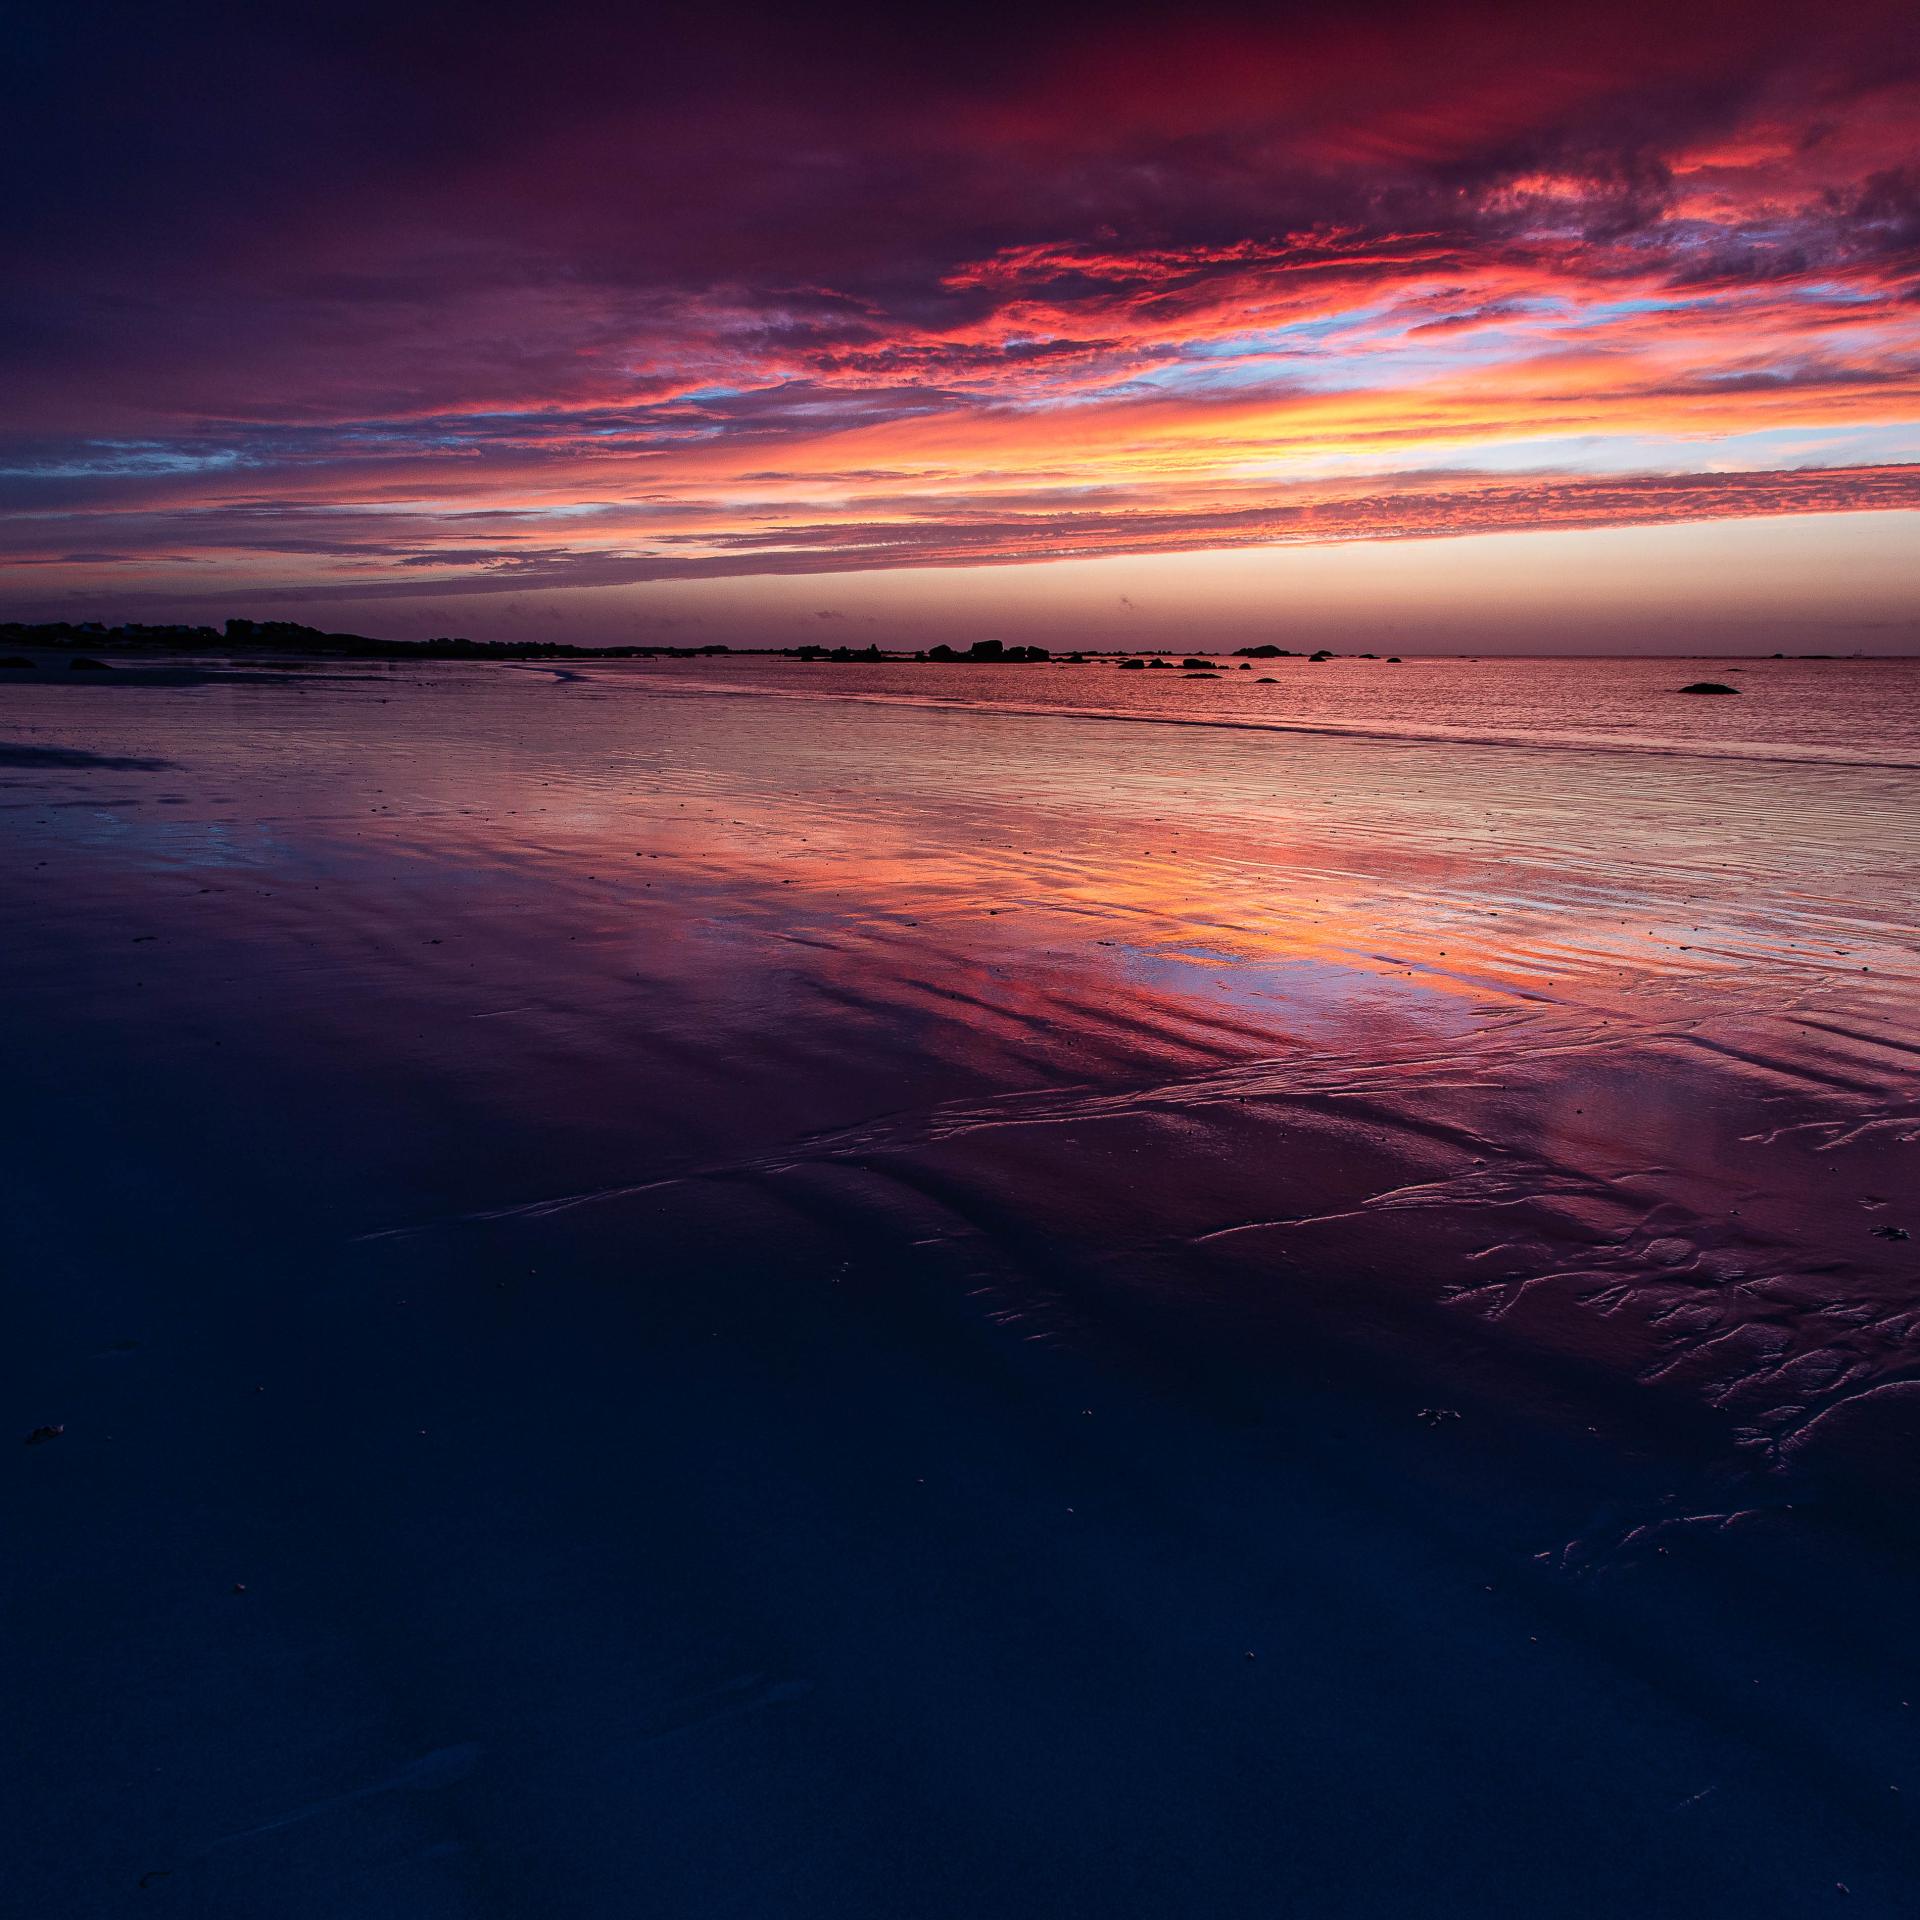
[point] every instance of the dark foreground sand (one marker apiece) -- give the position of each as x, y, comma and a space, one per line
912, 1313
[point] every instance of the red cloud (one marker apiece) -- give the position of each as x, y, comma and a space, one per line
1240, 278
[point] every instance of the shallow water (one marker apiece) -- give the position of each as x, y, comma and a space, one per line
1859, 712
604, 1196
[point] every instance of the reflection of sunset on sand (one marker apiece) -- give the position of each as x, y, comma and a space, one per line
886, 1215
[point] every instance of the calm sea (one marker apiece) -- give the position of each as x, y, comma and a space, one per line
1862, 710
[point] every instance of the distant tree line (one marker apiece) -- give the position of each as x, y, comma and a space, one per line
289, 636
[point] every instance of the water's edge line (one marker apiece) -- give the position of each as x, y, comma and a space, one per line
1752, 754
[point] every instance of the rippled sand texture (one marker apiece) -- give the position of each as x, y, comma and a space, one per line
771, 1276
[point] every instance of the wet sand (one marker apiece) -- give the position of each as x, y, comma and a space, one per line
786, 1303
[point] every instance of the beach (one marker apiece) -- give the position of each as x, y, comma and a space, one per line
772, 1288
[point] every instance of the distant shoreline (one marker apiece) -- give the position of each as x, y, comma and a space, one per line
246, 638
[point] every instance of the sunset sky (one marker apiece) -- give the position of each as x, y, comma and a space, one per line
1492, 326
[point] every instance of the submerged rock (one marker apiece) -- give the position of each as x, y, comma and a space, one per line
1709, 686
82, 663
18, 660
